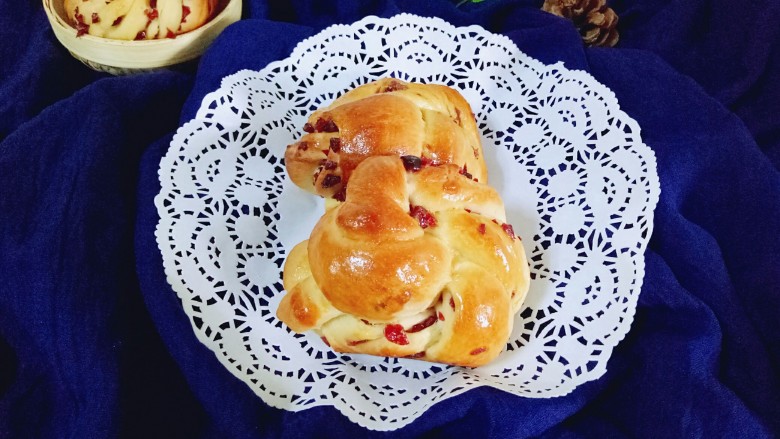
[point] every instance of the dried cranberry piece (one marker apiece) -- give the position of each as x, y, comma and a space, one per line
319, 124
95, 17
308, 127
81, 28
465, 172
452, 303
427, 161
394, 85
422, 325
185, 11
330, 165
118, 20
478, 350
153, 4
140, 35
331, 127
412, 163
481, 229
425, 218
303, 145
341, 195
325, 126
170, 34
325, 340
508, 230
151, 14
330, 180
395, 334
335, 144
441, 316
417, 355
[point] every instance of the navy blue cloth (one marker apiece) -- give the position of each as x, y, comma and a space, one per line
94, 343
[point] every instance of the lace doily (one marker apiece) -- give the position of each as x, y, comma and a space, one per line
579, 186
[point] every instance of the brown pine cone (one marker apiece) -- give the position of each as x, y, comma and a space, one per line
596, 22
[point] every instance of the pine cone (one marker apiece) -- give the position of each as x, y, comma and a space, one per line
596, 22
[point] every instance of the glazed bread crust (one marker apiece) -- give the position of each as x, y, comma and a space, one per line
414, 263
388, 117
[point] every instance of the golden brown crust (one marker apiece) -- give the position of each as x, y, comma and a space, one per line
304, 306
443, 187
482, 319
388, 117
378, 207
378, 281
410, 264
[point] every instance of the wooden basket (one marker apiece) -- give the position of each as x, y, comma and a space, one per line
120, 57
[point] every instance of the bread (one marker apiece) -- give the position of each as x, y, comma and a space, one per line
386, 117
417, 262
138, 19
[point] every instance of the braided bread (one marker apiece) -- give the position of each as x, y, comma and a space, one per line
138, 19
385, 117
416, 262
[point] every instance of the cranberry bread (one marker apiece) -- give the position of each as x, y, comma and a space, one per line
138, 19
417, 262
386, 117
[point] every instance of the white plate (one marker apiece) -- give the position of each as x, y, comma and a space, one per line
579, 185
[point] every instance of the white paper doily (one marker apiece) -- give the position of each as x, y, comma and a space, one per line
579, 185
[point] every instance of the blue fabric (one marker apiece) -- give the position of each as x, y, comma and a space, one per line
94, 343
